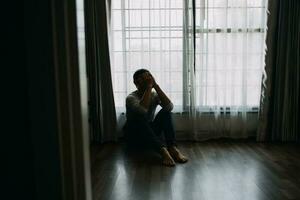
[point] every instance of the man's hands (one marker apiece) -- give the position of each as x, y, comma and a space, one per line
146, 81
149, 80
165, 101
154, 82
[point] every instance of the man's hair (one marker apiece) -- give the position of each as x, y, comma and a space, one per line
139, 72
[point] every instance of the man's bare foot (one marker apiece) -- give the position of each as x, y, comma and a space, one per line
177, 155
167, 158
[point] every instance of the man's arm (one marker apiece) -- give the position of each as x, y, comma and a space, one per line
146, 98
165, 101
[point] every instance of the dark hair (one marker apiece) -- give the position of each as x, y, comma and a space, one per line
139, 72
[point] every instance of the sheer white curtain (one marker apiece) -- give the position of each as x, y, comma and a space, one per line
229, 63
219, 96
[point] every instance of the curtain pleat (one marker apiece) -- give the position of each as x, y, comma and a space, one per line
101, 100
279, 114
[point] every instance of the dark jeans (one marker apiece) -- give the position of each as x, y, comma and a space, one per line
139, 132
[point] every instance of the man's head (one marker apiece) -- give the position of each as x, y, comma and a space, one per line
139, 78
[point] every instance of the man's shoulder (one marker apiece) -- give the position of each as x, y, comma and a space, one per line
132, 98
132, 95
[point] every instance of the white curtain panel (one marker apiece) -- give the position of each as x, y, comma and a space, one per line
219, 96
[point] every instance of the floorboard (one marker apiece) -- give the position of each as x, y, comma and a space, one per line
225, 170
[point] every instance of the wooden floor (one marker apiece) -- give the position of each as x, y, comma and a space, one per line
216, 170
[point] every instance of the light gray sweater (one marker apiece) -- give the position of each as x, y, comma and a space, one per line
133, 106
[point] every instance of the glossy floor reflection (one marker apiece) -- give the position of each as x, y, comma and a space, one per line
216, 170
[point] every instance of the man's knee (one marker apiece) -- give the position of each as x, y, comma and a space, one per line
138, 117
165, 113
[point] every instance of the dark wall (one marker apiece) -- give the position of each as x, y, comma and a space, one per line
31, 156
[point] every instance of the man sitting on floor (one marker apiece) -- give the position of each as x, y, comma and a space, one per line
141, 128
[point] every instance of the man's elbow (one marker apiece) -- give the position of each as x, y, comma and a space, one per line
168, 107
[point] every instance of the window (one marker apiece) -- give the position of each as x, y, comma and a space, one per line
229, 49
